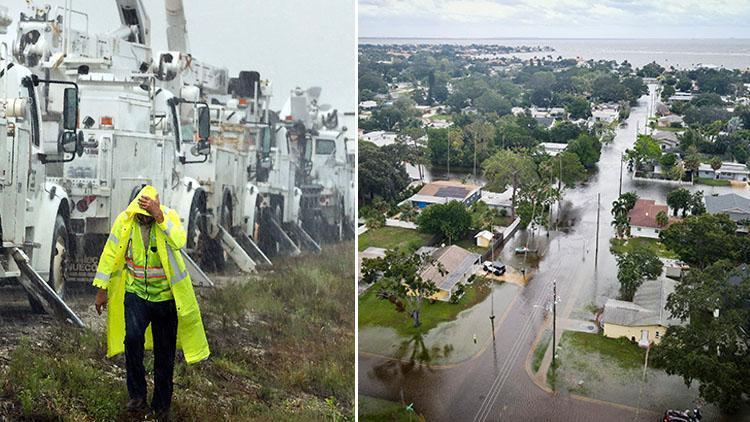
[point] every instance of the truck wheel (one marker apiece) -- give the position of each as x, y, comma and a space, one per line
58, 254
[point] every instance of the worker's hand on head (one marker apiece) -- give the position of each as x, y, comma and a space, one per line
152, 206
101, 300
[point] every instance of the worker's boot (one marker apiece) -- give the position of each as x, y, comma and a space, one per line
162, 415
136, 405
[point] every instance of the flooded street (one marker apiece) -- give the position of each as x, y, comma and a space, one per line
493, 384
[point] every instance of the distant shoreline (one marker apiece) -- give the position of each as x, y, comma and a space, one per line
550, 38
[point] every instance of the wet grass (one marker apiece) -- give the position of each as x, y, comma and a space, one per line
621, 351
619, 246
371, 409
470, 245
711, 182
380, 312
282, 349
540, 350
393, 237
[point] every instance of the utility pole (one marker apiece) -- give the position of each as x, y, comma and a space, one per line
492, 312
449, 158
475, 159
554, 320
622, 158
598, 206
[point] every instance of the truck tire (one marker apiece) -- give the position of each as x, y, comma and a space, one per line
58, 254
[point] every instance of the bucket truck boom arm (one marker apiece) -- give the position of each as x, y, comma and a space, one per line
177, 38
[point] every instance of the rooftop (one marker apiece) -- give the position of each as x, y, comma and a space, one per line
647, 307
456, 262
644, 213
443, 191
727, 203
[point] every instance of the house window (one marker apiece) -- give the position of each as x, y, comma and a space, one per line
657, 334
639, 229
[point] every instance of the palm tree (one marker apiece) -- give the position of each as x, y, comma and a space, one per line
662, 219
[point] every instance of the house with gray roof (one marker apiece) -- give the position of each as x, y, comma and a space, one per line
645, 319
735, 206
458, 265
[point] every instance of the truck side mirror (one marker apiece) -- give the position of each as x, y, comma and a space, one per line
70, 109
204, 124
69, 142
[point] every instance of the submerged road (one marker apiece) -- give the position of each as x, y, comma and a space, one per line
494, 385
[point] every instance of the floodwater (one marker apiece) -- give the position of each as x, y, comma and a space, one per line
494, 384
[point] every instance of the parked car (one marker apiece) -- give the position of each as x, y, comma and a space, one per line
494, 267
682, 416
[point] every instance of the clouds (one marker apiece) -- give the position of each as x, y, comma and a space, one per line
603, 18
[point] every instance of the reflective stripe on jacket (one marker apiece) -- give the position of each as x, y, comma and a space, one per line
170, 238
147, 280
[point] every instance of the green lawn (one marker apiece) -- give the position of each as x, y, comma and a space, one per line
619, 351
470, 244
380, 312
619, 247
440, 117
393, 237
711, 182
371, 409
670, 129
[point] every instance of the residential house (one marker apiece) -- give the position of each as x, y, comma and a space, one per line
671, 120
727, 171
667, 140
444, 191
380, 137
458, 266
645, 319
500, 201
735, 206
367, 105
681, 96
553, 148
643, 219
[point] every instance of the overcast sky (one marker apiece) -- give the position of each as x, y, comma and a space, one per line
294, 43
555, 18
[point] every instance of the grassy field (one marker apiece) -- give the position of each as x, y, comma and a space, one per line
440, 117
282, 348
619, 351
470, 244
372, 409
375, 311
619, 246
711, 182
393, 237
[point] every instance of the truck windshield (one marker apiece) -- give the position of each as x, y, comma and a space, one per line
325, 146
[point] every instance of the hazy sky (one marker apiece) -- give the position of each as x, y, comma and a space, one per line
293, 43
555, 18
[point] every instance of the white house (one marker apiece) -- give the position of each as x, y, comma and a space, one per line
553, 148
727, 171
380, 137
643, 219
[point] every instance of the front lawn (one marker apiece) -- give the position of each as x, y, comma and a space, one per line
470, 245
620, 351
711, 182
619, 246
440, 117
375, 409
393, 237
381, 312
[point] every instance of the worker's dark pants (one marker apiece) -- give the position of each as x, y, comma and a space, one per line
163, 318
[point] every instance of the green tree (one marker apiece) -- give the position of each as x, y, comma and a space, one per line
713, 348
587, 148
662, 219
564, 167
492, 102
679, 199
715, 163
401, 281
509, 168
696, 203
692, 161
634, 267
578, 107
646, 149
620, 210
451, 220
381, 173
700, 240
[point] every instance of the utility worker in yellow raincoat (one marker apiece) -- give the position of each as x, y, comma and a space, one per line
142, 275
